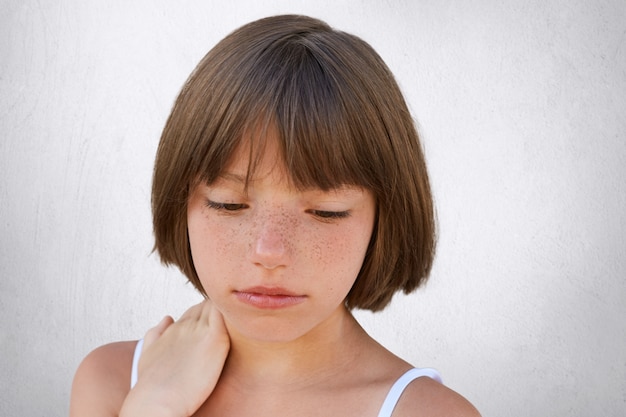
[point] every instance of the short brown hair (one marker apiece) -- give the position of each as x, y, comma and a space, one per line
341, 119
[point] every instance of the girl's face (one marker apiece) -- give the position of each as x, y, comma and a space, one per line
276, 261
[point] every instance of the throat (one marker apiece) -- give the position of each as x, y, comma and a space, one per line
326, 352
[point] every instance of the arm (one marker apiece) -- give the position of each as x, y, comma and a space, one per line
101, 382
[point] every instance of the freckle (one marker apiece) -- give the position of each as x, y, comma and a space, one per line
317, 252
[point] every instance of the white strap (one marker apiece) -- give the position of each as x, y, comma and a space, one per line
400, 385
136, 356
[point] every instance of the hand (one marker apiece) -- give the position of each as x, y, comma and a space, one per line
180, 364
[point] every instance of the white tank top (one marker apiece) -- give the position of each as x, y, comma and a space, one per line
388, 405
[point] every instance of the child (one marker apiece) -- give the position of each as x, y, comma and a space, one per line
289, 187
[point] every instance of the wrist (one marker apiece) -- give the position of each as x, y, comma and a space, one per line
139, 403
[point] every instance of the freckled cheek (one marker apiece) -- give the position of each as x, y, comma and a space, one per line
340, 255
211, 242
228, 240
335, 263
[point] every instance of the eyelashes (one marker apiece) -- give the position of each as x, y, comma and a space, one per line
329, 215
227, 207
232, 208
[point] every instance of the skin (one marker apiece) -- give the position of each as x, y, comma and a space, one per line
238, 354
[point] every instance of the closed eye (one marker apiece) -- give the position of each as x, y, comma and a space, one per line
226, 206
329, 215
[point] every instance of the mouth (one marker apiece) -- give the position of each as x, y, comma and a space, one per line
270, 298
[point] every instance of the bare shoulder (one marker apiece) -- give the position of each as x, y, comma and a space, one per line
427, 397
102, 380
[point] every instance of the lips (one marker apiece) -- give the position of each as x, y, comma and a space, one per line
269, 297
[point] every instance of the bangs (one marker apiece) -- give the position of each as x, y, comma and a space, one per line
300, 94
319, 137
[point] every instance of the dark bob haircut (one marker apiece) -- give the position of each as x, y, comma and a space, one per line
341, 120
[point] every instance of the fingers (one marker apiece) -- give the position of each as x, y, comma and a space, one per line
195, 311
203, 314
154, 333
216, 320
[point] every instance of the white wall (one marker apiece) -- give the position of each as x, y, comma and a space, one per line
521, 108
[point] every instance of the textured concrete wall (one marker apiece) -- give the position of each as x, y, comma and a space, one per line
521, 108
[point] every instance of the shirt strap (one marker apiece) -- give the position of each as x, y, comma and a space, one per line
400, 385
136, 356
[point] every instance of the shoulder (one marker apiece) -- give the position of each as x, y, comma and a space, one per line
423, 397
427, 397
102, 380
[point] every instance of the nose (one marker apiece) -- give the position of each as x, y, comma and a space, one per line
269, 247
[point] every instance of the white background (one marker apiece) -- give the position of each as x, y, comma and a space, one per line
521, 107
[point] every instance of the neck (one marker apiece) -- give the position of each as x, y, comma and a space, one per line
326, 350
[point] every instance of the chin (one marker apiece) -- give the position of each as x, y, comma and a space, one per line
266, 329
